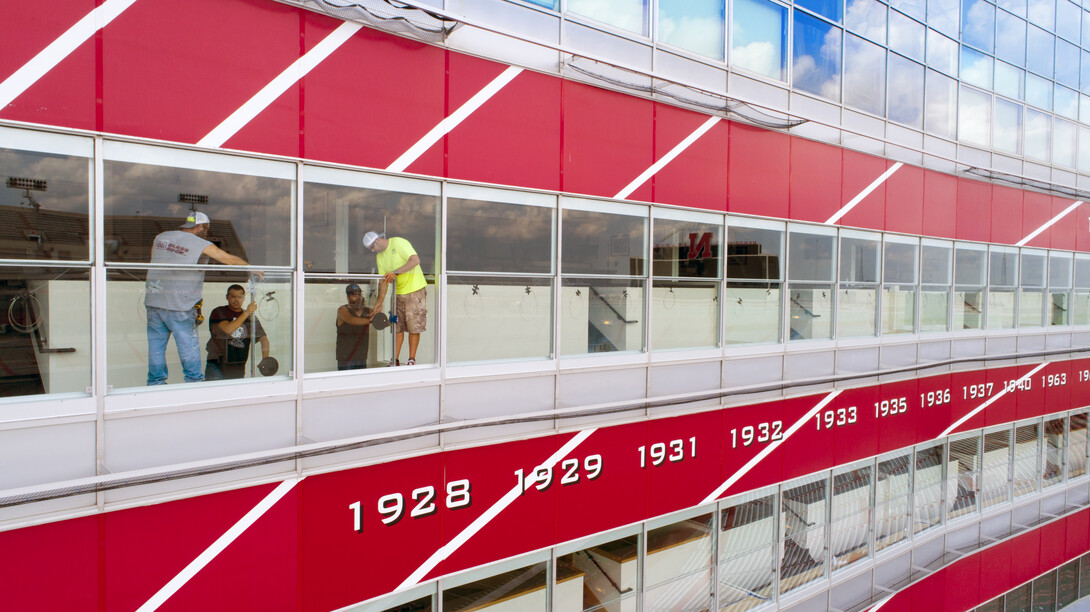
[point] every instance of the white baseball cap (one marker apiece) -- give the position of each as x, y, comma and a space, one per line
194, 219
370, 237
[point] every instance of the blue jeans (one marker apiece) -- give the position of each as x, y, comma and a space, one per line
182, 323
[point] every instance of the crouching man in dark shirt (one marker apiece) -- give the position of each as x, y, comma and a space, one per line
233, 330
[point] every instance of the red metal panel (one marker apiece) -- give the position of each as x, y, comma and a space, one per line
905, 200
694, 461
372, 99
1025, 557
899, 431
758, 171
258, 571
1063, 231
1036, 211
1079, 380
860, 170
1031, 401
939, 204
491, 470
333, 556
974, 202
810, 449
935, 416
51, 567
930, 593
606, 140
963, 578
622, 479
1078, 530
698, 176
1004, 409
859, 439
147, 547
737, 453
1081, 221
1053, 545
175, 71
816, 170
995, 570
514, 138
1006, 215
1057, 378
65, 96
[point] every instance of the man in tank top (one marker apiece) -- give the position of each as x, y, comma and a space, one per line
353, 325
172, 295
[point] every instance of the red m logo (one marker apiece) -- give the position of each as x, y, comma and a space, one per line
702, 248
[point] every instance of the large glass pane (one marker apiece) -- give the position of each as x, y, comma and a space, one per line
685, 314
603, 243
1003, 282
942, 53
892, 499
944, 15
692, 591
1084, 143
975, 116
1080, 297
915, 8
1018, 7
485, 236
1067, 63
830, 9
755, 253
849, 522
754, 310
928, 498
1043, 13
599, 315
1067, 104
1055, 439
630, 15
1068, 20
936, 263
1032, 290
969, 267
1010, 81
686, 248
679, 548
905, 91
601, 576
979, 19
250, 216
1059, 283
995, 488
1076, 446
217, 340
45, 199
1067, 584
976, 68
811, 254
747, 550
1039, 91
499, 317
759, 38
1040, 51
864, 75
811, 311
1063, 143
1027, 454
339, 334
868, 19
906, 36
803, 517
899, 290
522, 589
860, 265
695, 25
1010, 38
816, 60
1044, 593
964, 474
1019, 599
338, 215
1008, 127
1038, 135
45, 336
941, 105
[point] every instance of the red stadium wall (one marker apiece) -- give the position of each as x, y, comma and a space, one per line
175, 71
315, 549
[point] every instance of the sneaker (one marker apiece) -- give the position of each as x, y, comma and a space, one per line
411, 361
393, 363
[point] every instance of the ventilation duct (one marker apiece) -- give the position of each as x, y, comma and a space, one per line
388, 15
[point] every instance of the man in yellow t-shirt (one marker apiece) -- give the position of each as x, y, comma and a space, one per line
396, 258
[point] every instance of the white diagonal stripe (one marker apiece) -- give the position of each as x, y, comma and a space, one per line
508, 498
669, 157
268, 94
769, 448
1048, 224
62, 47
881, 603
451, 122
866, 192
219, 545
991, 400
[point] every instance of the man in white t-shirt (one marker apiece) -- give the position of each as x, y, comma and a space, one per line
172, 296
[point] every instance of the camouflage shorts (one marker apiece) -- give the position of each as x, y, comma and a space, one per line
412, 311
